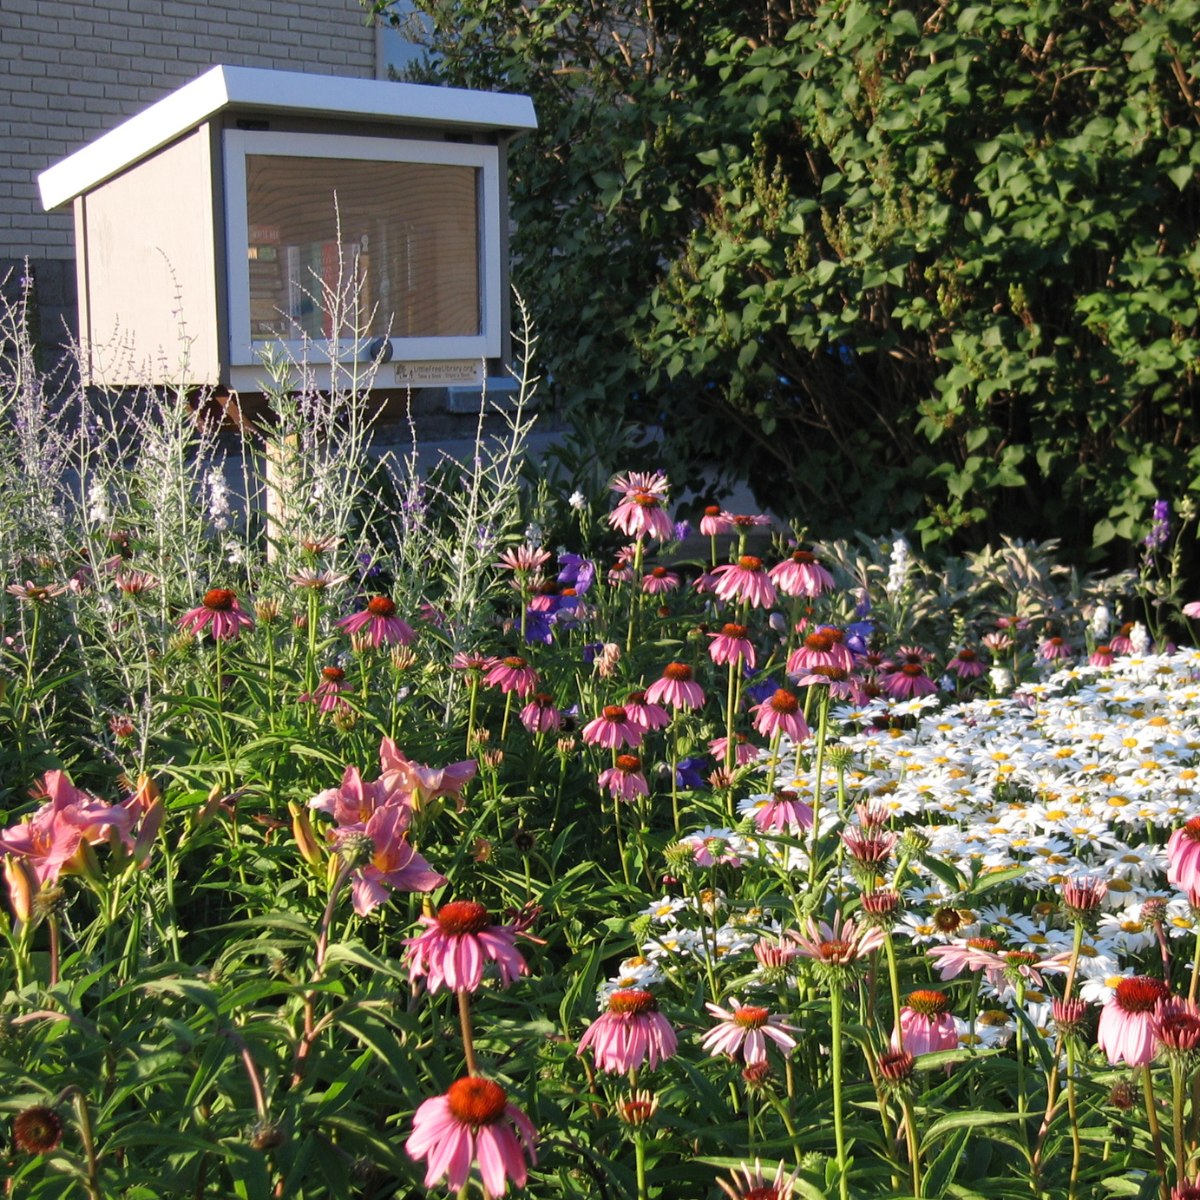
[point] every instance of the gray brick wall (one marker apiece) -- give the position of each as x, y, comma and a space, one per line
71, 71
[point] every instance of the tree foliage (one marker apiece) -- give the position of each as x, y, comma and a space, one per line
934, 264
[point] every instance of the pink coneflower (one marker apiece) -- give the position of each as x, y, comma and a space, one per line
474, 661
134, 583
998, 643
971, 954
747, 520
712, 849
1176, 1028
540, 715
745, 581
620, 572
393, 863
880, 907
641, 512
871, 816
524, 559
729, 644
473, 1123
1082, 895
1005, 968
841, 944
781, 713
926, 1025
841, 684
630, 1033
317, 579
1102, 656
1127, 1020
821, 648
715, 522
658, 581
625, 780
745, 751
783, 812
34, 593
869, 850
512, 674
908, 679
456, 946
801, 575
676, 688
381, 623
965, 664
774, 956
1183, 856
644, 714
705, 583
327, 694
744, 1030
1054, 647
747, 1184
220, 609
612, 729
1123, 643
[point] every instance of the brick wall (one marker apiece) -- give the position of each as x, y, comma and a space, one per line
71, 71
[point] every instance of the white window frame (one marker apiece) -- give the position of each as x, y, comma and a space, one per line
238, 143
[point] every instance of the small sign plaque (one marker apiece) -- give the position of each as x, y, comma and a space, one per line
456, 373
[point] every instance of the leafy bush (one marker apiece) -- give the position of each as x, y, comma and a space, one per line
930, 265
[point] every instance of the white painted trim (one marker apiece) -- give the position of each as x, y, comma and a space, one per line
276, 91
238, 143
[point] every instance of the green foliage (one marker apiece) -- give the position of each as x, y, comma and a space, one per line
931, 265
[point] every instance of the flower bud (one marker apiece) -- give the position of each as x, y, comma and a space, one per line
757, 1076
38, 1130
637, 1108
306, 839
355, 849
21, 886
839, 757
895, 1069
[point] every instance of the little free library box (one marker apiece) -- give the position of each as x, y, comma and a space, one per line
242, 206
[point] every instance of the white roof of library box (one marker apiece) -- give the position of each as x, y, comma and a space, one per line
281, 92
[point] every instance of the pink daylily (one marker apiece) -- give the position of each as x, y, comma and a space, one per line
52, 840
393, 863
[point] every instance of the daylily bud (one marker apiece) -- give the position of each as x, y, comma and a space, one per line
306, 839
21, 887
209, 807
146, 793
148, 833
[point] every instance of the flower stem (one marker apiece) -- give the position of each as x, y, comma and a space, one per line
822, 725
1178, 1081
774, 761
894, 980
839, 1133
53, 923
1155, 1133
1076, 1142
639, 1146
730, 701
464, 1019
86, 1136
914, 1154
